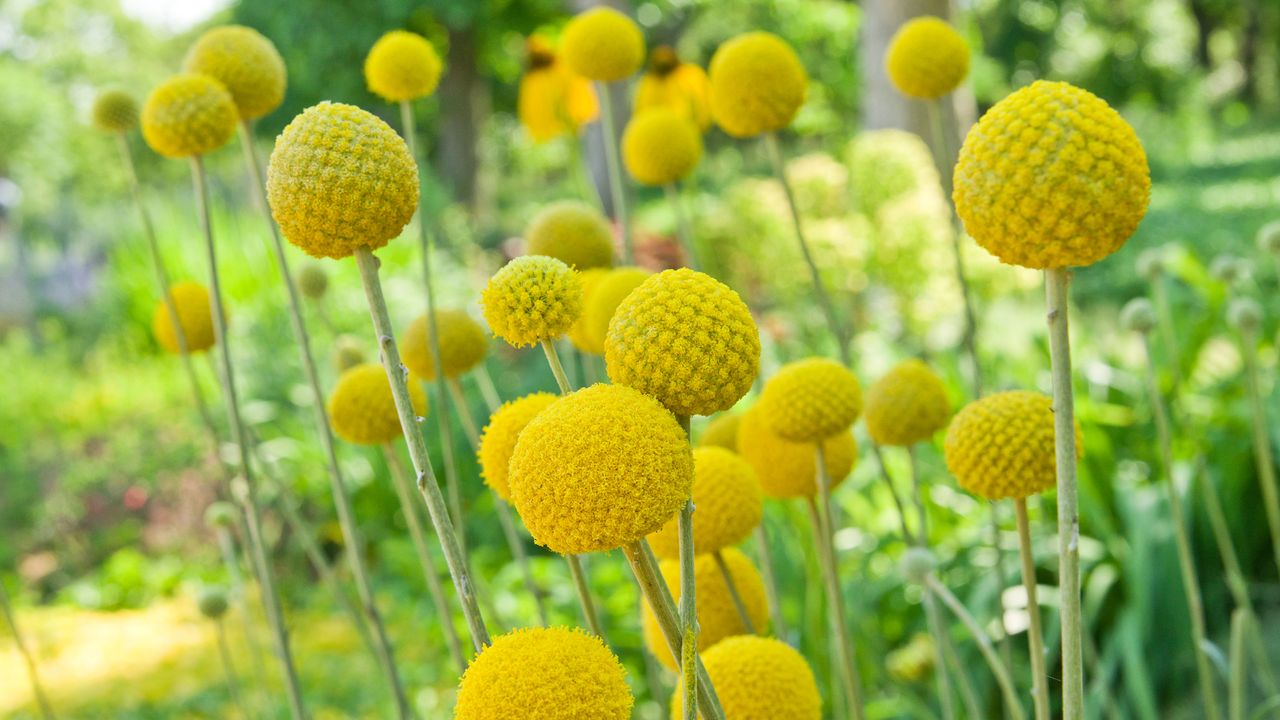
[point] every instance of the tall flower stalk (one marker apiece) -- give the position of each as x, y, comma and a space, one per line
33, 674
1246, 316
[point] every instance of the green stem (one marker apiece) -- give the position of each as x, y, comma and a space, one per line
1002, 581
613, 162
1160, 297
1235, 694
933, 614
37, 688
837, 328
688, 606
427, 486
581, 177
583, 589
907, 536
1261, 442
230, 558
734, 595
270, 596
984, 645
229, 669
488, 390
968, 695
557, 369
469, 426
1056, 282
1035, 635
683, 230
353, 541
770, 581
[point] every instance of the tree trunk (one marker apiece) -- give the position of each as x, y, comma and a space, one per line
1249, 49
1205, 26
463, 107
592, 137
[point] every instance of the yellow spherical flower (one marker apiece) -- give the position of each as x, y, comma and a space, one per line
727, 501
115, 111
545, 674
402, 66
686, 339
906, 406
578, 334
531, 299
246, 62
463, 344
757, 84
811, 399
912, 662
718, 617
722, 431
673, 84
553, 100
1051, 177
498, 439
188, 115
572, 232
788, 469
598, 469
191, 301
602, 44
604, 301
362, 409
1001, 446
759, 678
660, 146
340, 179
927, 58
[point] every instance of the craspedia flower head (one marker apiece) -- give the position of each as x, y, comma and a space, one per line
602, 44
757, 84
1138, 315
531, 299
572, 232
673, 84
327, 158
927, 58
728, 504
1244, 314
313, 280
788, 469
912, 662
718, 617
463, 344
545, 674
191, 301
598, 469
1269, 238
1051, 177
578, 334
212, 602
188, 115
811, 399
244, 61
402, 66
553, 100
362, 409
686, 339
722, 431
348, 352
1001, 446
608, 294
759, 678
220, 514
115, 111
908, 405
498, 439
661, 146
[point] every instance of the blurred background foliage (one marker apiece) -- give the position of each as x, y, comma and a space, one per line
104, 472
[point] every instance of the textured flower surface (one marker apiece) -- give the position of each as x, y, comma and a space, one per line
757, 84
661, 146
578, 334
531, 299
788, 469
363, 409
188, 115
686, 339
545, 674
604, 302
115, 111
600, 468
340, 179
1001, 446
811, 399
244, 61
927, 58
498, 439
906, 406
722, 431
727, 502
1051, 177
191, 300
760, 678
572, 232
402, 66
673, 84
717, 615
463, 344
602, 44
553, 100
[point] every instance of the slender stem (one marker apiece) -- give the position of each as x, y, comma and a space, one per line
907, 535
984, 645
933, 614
1002, 581
734, 595
400, 480
656, 593
427, 487
557, 369
583, 588
770, 581
1164, 316
837, 328
688, 605
353, 541
1261, 441
469, 426
1235, 692
968, 695
1186, 563
230, 558
1056, 282
37, 688
488, 390
270, 596
683, 229
578, 169
229, 668
1035, 635
613, 162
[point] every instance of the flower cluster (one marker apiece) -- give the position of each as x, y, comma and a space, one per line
758, 678
603, 302
661, 146
115, 111
728, 504
553, 100
188, 115
573, 232
1001, 446
246, 63
402, 66
927, 58
362, 408
498, 439
195, 314
670, 83
812, 399
531, 299
722, 431
463, 344
603, 44
789, 469
906, 406
757, 84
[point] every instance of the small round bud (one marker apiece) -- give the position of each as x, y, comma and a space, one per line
916, 564
313, 281
1150, 264
239, 489
1138, 315
220, 514
1269, 238
1226, 269
212, 602
1244, 314
348, 352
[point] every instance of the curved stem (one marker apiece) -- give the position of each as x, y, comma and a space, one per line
37, 688
683, 230
613, 162
270, 596
1235, 694
907, 536
1262, 443
229, 668
1035, 635
984, 645
933, 616
734, 595
770, 581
